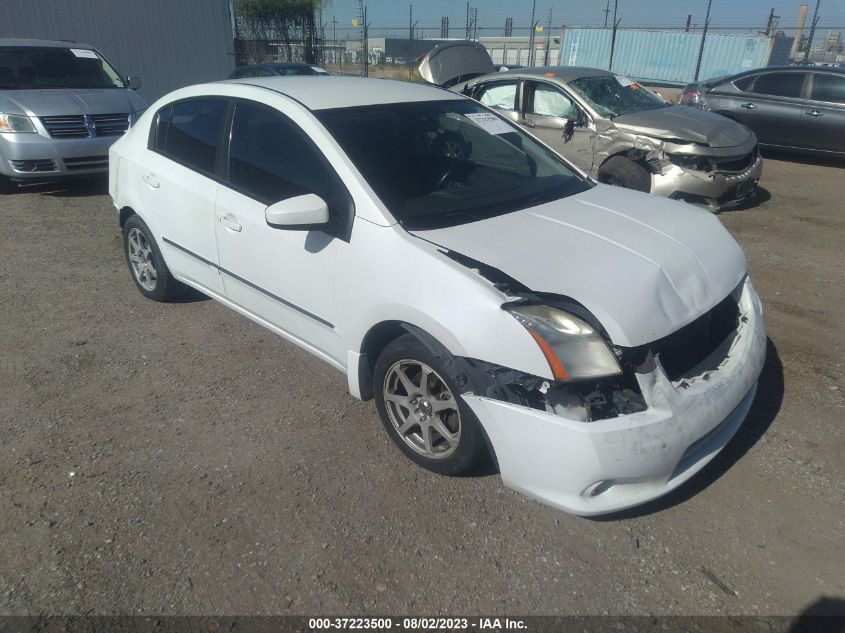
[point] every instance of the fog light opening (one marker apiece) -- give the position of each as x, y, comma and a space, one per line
600, 487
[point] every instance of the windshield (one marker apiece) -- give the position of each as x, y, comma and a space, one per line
39, 68
441, 163
614, 95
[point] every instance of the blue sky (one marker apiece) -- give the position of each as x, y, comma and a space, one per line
733, 14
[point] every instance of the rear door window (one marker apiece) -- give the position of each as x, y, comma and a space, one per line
189, 132
829, 88
779, 84
500, 95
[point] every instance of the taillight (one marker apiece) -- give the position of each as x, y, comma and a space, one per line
691, 97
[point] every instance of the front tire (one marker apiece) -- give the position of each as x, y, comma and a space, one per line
623, 172
146, 265
422, 410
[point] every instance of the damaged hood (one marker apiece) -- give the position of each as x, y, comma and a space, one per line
683, 123
644, 266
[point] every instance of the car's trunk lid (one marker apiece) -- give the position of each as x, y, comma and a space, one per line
452, 62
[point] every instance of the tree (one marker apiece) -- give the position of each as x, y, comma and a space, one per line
291, 21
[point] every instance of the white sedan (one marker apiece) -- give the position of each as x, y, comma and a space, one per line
600, 345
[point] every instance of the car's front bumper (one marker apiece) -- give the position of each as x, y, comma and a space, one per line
30, 157
711, 189
609, 465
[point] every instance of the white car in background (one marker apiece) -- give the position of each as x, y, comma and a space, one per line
600, 344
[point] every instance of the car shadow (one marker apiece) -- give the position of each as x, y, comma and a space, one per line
69, 188
807, 158
761, 196
825, 615
764, 409
191, 295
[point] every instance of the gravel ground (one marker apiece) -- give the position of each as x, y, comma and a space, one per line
179, 459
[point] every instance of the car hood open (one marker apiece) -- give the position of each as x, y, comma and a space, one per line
644, 266
682, 123
63, 101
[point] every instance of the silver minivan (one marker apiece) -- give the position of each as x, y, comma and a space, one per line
62, 104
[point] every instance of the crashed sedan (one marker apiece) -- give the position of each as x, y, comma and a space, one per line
614, 129
599, 345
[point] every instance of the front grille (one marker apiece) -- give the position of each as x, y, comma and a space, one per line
110, 124
682, 351
66, 126
33, 166
736, 164
726, 165
86, 162
85, 126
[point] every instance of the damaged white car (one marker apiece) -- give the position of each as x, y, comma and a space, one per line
601, 345
611, 127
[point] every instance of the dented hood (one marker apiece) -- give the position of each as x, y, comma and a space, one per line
644, 266
685, 124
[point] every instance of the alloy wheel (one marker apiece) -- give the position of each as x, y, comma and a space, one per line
422, 409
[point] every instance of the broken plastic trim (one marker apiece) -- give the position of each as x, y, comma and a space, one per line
583, 401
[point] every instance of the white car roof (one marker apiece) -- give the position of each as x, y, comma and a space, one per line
325, 93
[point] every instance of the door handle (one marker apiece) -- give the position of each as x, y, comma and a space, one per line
814, 113
151, 180
748, 106
230, 222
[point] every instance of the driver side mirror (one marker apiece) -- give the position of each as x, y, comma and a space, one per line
298, 213
133, 82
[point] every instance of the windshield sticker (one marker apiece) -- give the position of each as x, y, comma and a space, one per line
84, 52
489, 122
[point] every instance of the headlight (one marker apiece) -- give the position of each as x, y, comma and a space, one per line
15, 123
573, 349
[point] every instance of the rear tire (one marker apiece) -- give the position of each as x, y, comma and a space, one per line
422, 410
146, 265
623, 172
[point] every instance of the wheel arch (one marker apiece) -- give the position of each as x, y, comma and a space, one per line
124, 214
375, 340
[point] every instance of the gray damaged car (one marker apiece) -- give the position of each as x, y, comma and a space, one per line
611, 127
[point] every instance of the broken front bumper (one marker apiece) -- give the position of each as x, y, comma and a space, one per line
591, 468
711, 189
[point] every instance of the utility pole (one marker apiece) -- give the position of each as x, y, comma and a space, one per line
548, 37
444, 27
475, 23
466, 35
336, 47
508, 27
613, 35
703, 37
812, 31
689, 20
606, 13
531, 36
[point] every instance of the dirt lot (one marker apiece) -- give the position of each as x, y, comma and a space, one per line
180, 459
